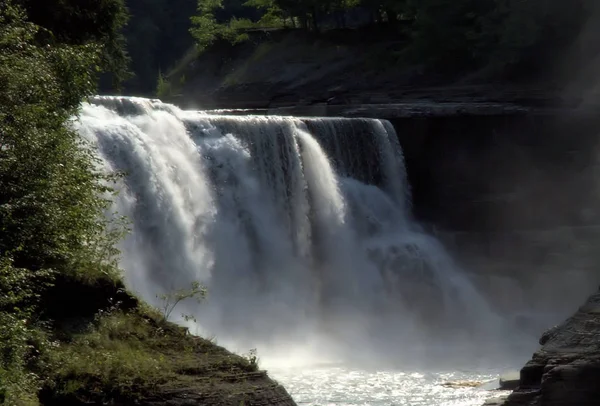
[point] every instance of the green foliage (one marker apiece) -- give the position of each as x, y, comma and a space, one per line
170, 300
51, 209
76, 22
209, 6
111, 361
497, 34
52, 199
241, 24
125, 356
206, 30
444, 36
274, 15
157, 36
20, 290
54, 232
163, 87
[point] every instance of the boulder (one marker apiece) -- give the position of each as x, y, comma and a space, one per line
462, 384
499, 401
510, 380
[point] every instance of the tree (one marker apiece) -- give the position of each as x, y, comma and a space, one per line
499, 34
157, 36
52, 213
98, 22
272, 12
207, 28
445, 32
497, 38
172, 299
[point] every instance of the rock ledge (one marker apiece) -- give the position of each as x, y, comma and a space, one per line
566, 370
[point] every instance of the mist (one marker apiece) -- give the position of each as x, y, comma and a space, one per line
309, 250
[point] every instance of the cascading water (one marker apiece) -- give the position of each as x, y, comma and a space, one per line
300, 228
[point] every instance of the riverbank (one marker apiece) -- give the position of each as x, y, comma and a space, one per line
107, 347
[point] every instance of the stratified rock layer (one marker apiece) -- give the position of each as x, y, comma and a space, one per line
251, 389
566, 370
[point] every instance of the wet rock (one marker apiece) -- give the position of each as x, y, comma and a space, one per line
499, 401
566, 370
256, 390
489, 385
462, 384
510, 380
548, 334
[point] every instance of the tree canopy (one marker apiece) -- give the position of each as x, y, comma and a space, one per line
89, 21
157, 36
455, 34
51, 195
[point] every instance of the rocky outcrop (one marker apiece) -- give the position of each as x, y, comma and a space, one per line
566, 370
250, 389
110, 348
499, 401
510, 381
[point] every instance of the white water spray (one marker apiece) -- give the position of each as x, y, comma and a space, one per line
300, 228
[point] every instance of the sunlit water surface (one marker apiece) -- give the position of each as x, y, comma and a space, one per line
335, 385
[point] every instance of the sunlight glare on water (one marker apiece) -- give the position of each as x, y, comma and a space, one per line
340, 386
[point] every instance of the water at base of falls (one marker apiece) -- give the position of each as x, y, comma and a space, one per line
340, 386
300, 228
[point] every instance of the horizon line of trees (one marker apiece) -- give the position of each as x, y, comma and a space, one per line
310, 15
150, 36
500, 33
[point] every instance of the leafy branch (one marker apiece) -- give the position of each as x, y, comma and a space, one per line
172, 299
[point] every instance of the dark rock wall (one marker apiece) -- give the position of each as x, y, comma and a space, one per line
515, 200
566, 370
501, 173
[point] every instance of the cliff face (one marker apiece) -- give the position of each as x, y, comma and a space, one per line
566, 370
352, 67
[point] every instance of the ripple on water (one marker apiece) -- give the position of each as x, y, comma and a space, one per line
351, 387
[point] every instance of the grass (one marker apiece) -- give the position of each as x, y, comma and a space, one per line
126, 356
92, 342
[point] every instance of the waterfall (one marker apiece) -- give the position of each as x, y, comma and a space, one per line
299, 227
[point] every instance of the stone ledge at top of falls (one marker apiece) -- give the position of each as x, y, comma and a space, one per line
388, 107
566, 370
402, 102
389, 110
